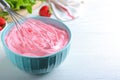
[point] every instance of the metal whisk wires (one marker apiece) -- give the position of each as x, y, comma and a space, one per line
19, 21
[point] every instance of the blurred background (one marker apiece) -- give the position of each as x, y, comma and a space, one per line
95, 49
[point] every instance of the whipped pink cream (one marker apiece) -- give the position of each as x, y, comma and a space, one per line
35, 38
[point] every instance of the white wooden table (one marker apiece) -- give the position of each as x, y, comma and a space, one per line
95, 49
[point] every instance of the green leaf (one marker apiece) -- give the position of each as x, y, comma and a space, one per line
42, 0
2, 14
29, 9
19, 4
32, 2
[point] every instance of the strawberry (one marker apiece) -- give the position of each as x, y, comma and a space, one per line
2, 21
45, 11
1, 28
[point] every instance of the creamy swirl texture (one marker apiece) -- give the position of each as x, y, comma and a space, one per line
36, 38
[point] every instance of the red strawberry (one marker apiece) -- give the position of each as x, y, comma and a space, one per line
2, 21
1, 28
45, 11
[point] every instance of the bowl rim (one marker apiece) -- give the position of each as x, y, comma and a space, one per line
67, 45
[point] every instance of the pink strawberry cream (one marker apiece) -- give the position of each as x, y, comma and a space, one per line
35, 38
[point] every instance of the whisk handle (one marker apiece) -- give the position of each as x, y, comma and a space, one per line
4, 3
